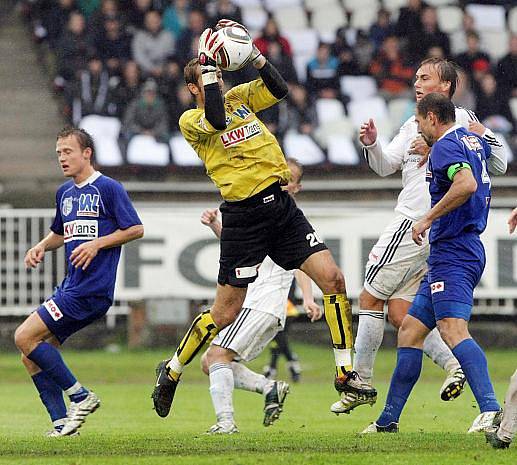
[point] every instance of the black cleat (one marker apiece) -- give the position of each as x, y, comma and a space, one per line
274, 402
164, 390
375, 428
352, 382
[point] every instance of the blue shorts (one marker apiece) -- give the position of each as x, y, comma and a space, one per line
65, 315
446, 291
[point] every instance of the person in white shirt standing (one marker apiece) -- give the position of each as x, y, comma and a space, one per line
396, 264
263, 314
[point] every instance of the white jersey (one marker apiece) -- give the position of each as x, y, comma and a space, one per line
269, 292
414, 200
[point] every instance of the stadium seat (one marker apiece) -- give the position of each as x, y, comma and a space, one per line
303, 42
244, 3
105, 131
273, 5
495, 43
329, 109
450, 18
487, 17
317, 4
355, 5
373, 107
327, 20
182, 153
145, 150
399, 110
363, 19
342, 127
291, 18
358, 87
341, 150
303, 148
513, 107
254, 17
438, 3
512, 20
300, 65
394, 6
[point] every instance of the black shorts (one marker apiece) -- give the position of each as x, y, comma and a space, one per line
269, 223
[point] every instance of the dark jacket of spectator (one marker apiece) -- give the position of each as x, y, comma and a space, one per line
113, 45
409, 21
53, 20
282, 62
188, 37
428, 36
492, 106
301, 111
223, 9
507, 70
381, 29
472, 55
128, 87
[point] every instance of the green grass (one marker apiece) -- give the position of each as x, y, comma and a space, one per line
127, 431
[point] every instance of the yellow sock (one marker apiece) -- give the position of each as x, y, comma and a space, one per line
338, 314
200, 333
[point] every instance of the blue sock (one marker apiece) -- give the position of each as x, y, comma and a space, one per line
48, 358
405, 376
51, 395
473, 363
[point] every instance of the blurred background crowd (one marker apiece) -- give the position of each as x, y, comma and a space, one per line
116, 67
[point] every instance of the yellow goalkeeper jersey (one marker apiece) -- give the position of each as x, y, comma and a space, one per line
244, 158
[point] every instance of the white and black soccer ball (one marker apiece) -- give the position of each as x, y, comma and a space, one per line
236, 50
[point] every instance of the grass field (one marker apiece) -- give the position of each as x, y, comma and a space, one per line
127, 431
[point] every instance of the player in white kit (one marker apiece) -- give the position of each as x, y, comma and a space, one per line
263, 314
396, 264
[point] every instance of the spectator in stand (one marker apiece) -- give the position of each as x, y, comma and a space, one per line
391, 70
409, 20
223, 9
429, 35
492, 106
72, 50
473, 54
196, 25
507, 70
271, 33
152, 45
175, 16
301, 111
128, 88
183, 101
53, 20
147, 114
381, 29
113, 45
137, 12
282, 62
108, 10
459, 38
363, 52
322, 73
91, 94
87, 7
436, 52
464, 96
348, 64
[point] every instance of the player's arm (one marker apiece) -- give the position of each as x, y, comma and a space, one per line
463, 186
383, 162
35, 254
312, 308
210, 218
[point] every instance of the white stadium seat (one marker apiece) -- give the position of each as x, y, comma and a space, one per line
450, 18
355, 5
394, 6
145, 150
254, 17
441, 2
327, 20
488, 17
363, 19
303, 42
512, 20
373, 107
329, 109
342, 127
358, 87
182, 153
290, 18
399, 110
244, 3
303, 148
105, 131
273, 5
300, 65
317, 4
513, 107
341, 150
495, 43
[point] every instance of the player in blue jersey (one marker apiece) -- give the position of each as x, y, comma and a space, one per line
460, 198
94, 217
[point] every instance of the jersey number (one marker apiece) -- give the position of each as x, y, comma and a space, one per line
313, 239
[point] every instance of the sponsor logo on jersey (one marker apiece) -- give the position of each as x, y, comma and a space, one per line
53, 309
247, 271
67, 206
472, 142
438, 286
268, 198
81, 230
239, 135
88, 205
242, 112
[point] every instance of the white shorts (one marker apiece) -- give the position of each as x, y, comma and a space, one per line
249, 334
396, 264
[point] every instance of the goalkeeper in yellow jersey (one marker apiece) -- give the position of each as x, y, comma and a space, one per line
259, 218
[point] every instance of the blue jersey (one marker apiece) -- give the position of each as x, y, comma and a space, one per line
97, 207
459, 146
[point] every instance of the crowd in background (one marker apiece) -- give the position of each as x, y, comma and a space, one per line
125, 58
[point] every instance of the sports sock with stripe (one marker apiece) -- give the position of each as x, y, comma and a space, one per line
248, 380
51, 395
405, 376
200, 333
367, 342
338, 314
473, 363
221, 390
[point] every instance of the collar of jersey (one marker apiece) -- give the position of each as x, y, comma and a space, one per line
90, 180
451, 129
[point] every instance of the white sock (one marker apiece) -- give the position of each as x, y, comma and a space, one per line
367, 342
244, 378
439, 353
221, 390
175, 365
508, 426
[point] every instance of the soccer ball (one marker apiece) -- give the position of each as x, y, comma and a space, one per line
236, 50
